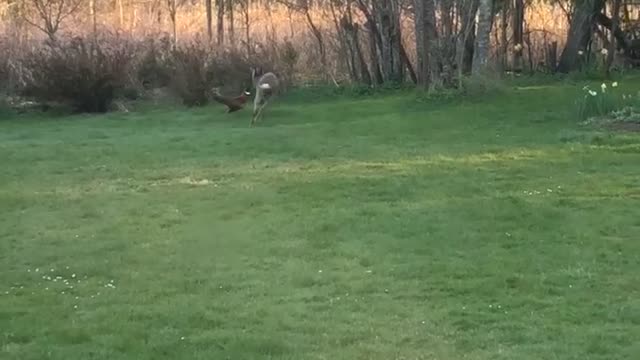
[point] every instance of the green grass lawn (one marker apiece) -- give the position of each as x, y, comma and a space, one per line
388, 227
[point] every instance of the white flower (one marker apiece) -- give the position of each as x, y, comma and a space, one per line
580, 52
614, 84
603, 87
592, 93
517, 47
604, 51
624, 97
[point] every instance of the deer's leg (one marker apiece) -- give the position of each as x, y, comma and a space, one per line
260, 110
257, 114
257, 102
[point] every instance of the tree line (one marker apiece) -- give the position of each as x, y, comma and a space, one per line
431, 43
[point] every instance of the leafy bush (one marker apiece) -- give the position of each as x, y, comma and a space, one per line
629, 113
85, 77
602, 102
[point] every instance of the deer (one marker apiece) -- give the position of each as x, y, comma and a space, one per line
266, 85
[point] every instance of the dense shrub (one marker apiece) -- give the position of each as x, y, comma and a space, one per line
196, 70
4, 66
4, 73
84, 76
87, 77
189, 79
154, 67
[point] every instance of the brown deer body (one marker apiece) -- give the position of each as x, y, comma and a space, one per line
266, 85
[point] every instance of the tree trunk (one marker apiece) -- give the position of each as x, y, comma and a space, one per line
351, 33
389, 19
220, 23
551, 56
483, 38
94, 20
427, 44
620, 36
404, 59
173, 9
421, 43
615, 22
373, 53
230, 23
247, 24
375, 41
446, 7
447, 39
466, 42
207, 4
518, 31
504, 42
121, 13
434, 57
345, 51
583, 19
318, 35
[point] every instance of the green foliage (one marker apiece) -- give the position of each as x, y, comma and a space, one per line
605, 101
628, 113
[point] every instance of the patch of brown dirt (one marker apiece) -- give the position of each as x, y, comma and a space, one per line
624, 126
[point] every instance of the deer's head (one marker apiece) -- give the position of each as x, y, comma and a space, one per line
256, 72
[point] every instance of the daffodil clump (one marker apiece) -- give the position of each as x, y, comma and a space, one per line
608, 102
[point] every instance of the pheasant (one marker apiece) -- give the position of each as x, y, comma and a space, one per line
233, 104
